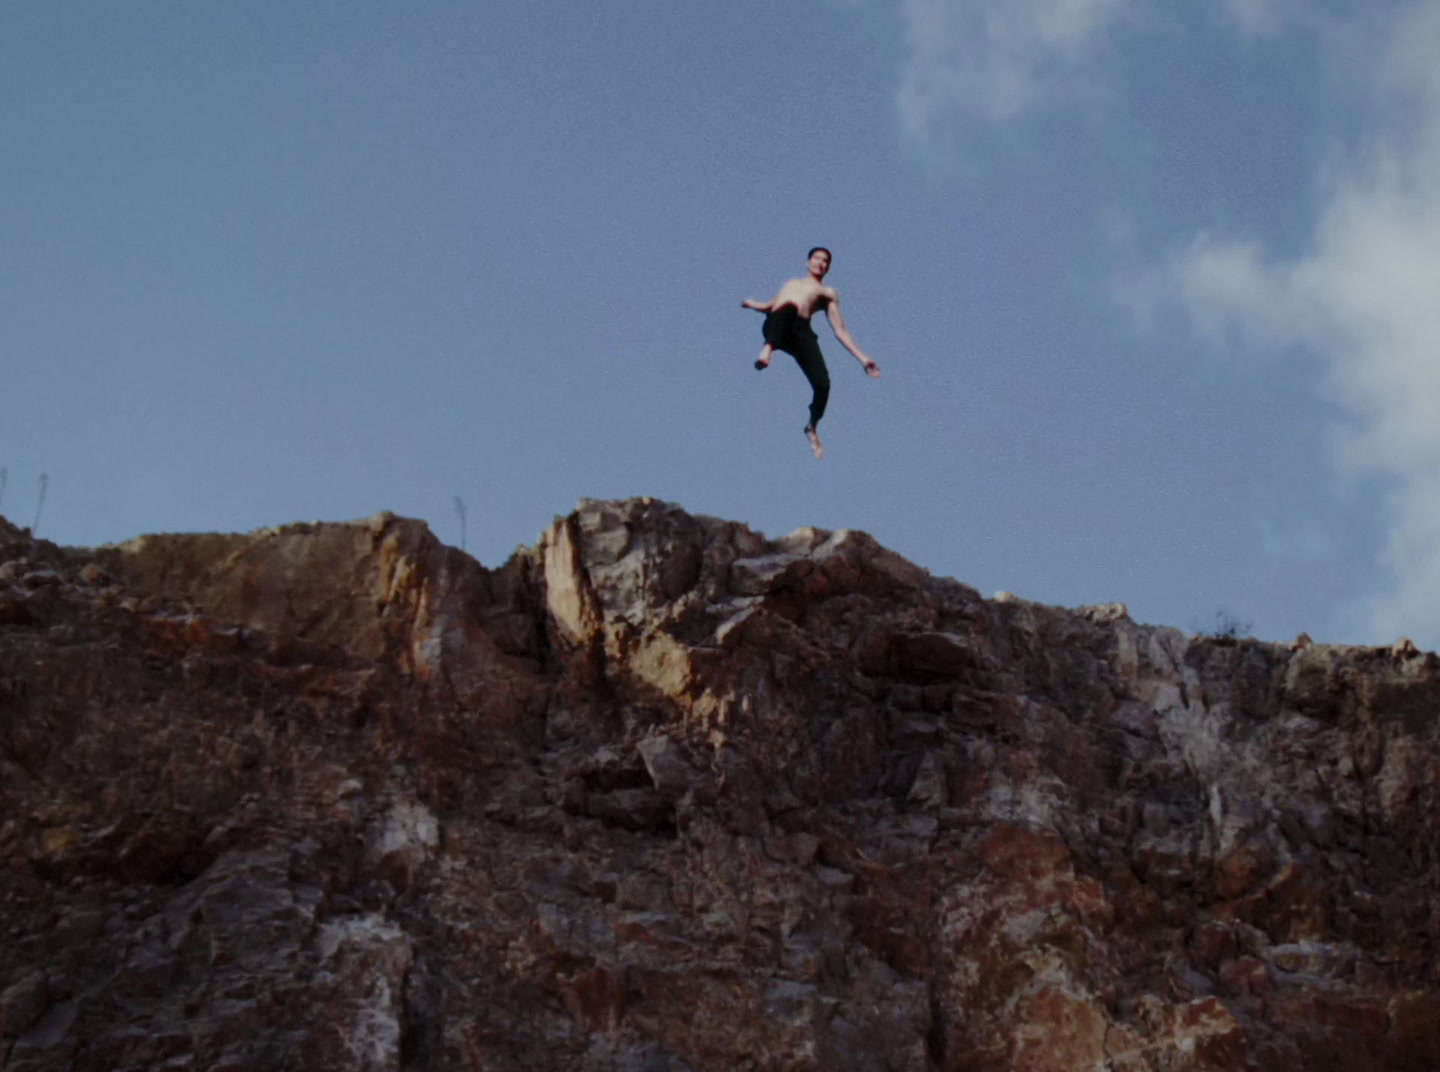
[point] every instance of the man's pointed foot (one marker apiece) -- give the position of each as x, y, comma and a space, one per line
762, 365
815, 447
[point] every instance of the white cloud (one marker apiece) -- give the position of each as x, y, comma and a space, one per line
1228, 284
1261, 18
1365, 299
994, 59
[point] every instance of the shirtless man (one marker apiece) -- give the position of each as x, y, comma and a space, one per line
787, 328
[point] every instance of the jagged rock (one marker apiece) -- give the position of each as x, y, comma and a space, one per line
670, 769
663, 794
22, 1003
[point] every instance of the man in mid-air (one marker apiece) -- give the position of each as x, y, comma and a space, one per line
787, 328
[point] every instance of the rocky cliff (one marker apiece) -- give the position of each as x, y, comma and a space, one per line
663, 794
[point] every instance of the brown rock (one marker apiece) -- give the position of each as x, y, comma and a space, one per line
596, 998
664, 794
1249, 974
1242, 868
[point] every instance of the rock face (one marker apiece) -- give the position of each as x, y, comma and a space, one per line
661, 794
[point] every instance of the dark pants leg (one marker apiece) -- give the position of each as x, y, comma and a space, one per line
786, 331
807, 355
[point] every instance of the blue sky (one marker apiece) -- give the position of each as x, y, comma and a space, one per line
1153, 285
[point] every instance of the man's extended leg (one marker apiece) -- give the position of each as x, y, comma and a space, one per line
812, 363
807, 355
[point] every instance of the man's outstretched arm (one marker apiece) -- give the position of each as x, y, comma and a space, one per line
837, 324
759, 307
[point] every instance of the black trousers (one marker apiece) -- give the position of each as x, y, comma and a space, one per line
785, 329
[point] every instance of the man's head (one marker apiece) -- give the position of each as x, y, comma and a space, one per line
818, 260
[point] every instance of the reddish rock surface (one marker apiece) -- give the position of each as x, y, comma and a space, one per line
661, 794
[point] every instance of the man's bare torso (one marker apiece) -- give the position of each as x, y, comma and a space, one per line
807, 295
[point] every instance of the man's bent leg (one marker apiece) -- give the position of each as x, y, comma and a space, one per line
778, 326
776, 329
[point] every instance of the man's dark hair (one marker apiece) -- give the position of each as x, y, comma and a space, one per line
819, 249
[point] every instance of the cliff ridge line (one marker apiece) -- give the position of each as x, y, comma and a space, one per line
660, 793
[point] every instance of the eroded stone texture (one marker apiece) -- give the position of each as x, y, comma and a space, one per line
663, 794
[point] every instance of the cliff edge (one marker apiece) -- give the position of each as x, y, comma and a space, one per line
662, 794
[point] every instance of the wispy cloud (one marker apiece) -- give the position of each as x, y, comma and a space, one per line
1365, 299
1261, 18
993, 59
996, 59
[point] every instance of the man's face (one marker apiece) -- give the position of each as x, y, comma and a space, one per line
819, 262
